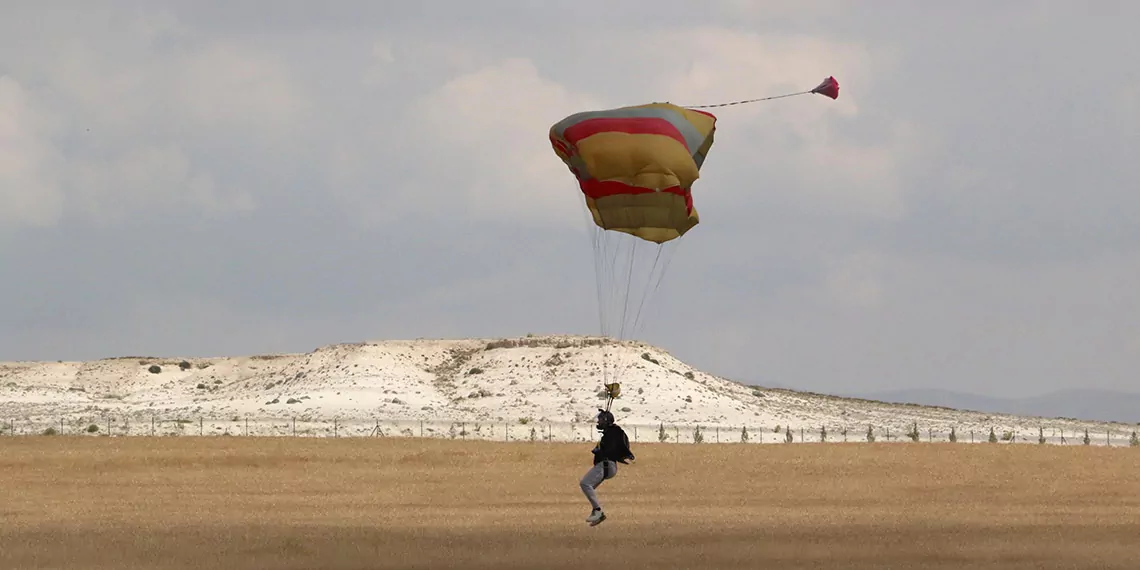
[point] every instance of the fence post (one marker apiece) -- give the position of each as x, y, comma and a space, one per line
335, 426
201, 426
61, 426
294, 426
634, 434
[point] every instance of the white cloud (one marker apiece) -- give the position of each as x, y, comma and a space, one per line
143, 176
30, 189
791, 148
480, 147
228, 85
100, 136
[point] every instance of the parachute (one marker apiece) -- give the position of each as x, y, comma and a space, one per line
636, 167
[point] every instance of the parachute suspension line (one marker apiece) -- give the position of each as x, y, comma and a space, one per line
648, 281
628, 283
670, 251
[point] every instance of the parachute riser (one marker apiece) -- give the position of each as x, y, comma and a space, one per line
613, 391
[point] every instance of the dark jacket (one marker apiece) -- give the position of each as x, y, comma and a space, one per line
613, 446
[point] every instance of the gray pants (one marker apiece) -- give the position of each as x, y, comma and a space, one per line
594, 477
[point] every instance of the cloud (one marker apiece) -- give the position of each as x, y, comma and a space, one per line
965, 212
475, 146
108, 132
141, 177
30, 186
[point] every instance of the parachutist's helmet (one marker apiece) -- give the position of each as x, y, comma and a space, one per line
605, 419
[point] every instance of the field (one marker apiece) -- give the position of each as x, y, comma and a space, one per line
234, 503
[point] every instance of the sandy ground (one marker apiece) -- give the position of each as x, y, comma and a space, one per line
288, 503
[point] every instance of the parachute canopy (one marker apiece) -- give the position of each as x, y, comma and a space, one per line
636, 165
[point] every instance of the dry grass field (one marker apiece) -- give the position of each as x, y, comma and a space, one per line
236, 503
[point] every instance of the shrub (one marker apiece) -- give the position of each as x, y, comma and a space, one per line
154, 369
661, 435
92, 428
1040, 435
698, 437
1134, 441
870, 434
788, 436
50, 431
1086, 440
822, 434
913, 434
184, 365
744, 434
993, 436
953, 435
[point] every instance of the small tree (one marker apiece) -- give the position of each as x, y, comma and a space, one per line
822, 434
1086, 440
953, 435
698, 437
788, 435
993, 436
1134, 441
913, 434
744, 434
661, 435
870, 434
1040, 435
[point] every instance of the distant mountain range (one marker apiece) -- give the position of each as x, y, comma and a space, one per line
1084, 404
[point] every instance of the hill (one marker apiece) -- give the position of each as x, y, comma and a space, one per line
544, 380
1087, 404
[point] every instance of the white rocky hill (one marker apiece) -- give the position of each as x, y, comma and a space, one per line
499, 388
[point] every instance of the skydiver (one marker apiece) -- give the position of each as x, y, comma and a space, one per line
613, 448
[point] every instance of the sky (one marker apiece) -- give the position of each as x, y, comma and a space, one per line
223, 178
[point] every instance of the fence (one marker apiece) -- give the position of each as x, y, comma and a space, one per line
521, 430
